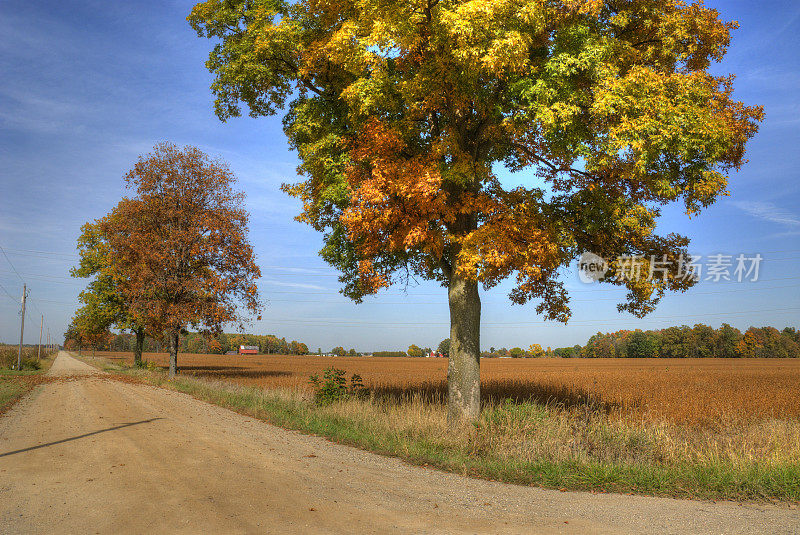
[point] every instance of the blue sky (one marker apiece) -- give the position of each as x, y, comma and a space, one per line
86, 87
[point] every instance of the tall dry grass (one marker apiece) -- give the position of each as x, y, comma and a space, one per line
535, 431
30, 357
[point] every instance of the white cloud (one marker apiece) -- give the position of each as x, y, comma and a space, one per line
767, 211
295, 285
278, 204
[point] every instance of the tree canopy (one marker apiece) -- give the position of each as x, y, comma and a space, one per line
104, 302
182, 244
607, 103
403, 114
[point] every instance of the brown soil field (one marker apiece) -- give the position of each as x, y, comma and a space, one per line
707, 392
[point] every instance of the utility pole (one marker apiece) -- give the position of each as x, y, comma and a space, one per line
39, 351
22, 325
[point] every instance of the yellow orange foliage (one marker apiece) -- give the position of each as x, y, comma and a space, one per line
182, 244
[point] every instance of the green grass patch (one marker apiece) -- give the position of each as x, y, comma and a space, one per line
16, 383
16, 373
12, 389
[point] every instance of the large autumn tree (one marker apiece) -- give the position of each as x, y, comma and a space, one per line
103, 298
181, 243
403, 112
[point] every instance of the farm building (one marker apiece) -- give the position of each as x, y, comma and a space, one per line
248, 350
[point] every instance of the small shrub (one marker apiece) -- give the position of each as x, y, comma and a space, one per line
31, 364
147, 365
357, 387
333, 386
8, 357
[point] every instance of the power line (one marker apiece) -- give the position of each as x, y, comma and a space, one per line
326, 321
26, 296
11, 264
783, 259
41, 275
595, 290
46, 279
56, 253
8, 293
57, 302
34, 251
39, 310
444, 302
592, 290
345, 300
309, 271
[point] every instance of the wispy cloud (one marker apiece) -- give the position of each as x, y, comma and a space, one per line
29, 112
790, 21
770, 77
301, 285
309, 271
274, 204
10, 230
767, 211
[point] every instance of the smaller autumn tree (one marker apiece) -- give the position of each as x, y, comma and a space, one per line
298, 348
103, 298
726, 340
91, 324
182, 244
72, 338
536, 350
415, 351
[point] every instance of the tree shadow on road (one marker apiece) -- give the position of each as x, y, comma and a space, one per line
115, 428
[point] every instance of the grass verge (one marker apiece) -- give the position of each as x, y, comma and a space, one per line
530, 443
14, 384
11, 391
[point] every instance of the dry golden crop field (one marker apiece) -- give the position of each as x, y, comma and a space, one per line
684, 391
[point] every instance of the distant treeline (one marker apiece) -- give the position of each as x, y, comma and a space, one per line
700, 341
389, 354
197, 343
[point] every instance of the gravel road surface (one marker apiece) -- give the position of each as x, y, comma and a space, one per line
88, 454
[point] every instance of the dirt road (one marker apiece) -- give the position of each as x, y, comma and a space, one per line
94, 455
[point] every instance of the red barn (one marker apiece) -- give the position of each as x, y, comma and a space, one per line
248, 350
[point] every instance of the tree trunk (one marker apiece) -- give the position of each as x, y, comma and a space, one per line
174, 340
137, 349
464, 366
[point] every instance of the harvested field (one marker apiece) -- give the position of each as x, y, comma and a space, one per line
707, 392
